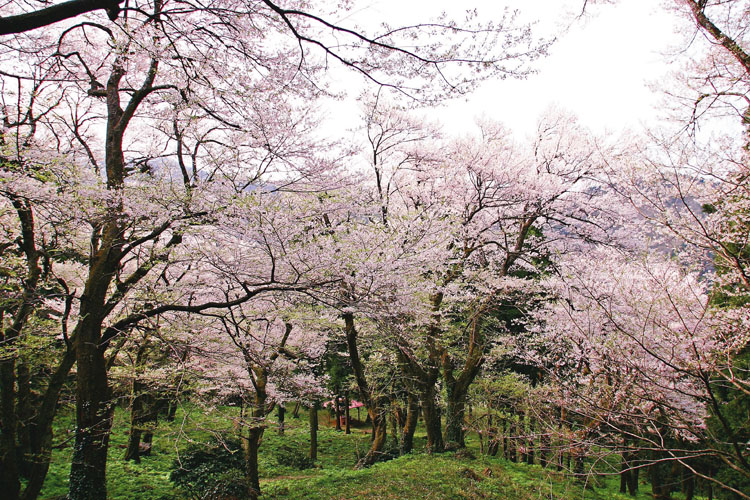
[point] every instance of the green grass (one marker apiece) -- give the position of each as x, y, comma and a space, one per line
417, 476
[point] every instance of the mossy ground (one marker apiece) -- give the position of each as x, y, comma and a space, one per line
415, 476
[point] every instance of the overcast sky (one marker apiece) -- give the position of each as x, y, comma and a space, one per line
600, 68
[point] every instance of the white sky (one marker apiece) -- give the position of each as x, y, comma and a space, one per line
599, 69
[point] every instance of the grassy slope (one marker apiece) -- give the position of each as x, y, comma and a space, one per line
415, 476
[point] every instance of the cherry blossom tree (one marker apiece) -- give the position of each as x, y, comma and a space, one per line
638, 350
263, 359
498, 198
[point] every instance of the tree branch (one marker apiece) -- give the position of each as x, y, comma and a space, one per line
55, 13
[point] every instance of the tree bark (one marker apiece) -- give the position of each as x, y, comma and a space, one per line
9, 473
94, 407
348, 429
93, 398
432, 421
256, 427
521, 436
251, 462
457, 389
56, 13
137, 414
25, 417
282, 411
337, 408
314, 432
41, 436
412, 416
376, 405
530, 441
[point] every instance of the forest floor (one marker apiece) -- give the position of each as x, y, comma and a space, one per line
414, 476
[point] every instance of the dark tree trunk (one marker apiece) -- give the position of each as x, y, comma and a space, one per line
93, 424
10, 482
454, 418
255, 432
337, 407
380, 434
251, 461
544, 448
521, 436
688, 484
295, 412
281, 412
25, 418
314, 432
560, 441
624, 473
457, 388
633, 482
432, 421
172, 411
493, 440
410, 424
393, 417
41, 436
348, 429
150, 421
505, 438
530, 441
376, 405
137, 420
138, 403
93, 399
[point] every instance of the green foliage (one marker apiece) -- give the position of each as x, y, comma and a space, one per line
205, 470
414, 476
293, 456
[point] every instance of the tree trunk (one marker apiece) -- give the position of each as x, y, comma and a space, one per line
251, 461
255, 433
393, 417
688, 483
10, 483
380, 433
314, 432
625, 472
454, 418
295, 412
410, 425
432, 423
544, 448
521, 430
457, 388
93, 404
348, 429
137, 419
505, 438
530, 441
337, 407
93, 425
172, 411
376, 405
633, 482
41, 435
281, 412
93, 398
25, 418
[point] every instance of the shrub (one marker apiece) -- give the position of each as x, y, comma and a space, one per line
211, 471
293, 457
